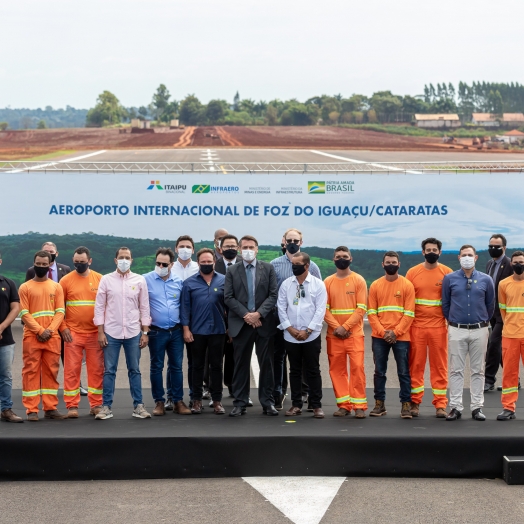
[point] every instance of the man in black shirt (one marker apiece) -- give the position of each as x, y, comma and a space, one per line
9, 308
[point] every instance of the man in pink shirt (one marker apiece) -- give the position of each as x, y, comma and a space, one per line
123, 319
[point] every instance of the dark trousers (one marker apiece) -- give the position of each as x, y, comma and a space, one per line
305, 357
494, 353
242, 350
380, 357
213, 347
229, 362
280, 366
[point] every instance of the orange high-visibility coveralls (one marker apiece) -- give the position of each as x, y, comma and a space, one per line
346, 306
42, 307
79, 296
511, 304
429, 331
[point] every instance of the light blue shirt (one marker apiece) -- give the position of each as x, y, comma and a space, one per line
284, 270
164, 299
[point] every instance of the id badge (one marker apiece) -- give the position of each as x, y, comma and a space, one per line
295, 301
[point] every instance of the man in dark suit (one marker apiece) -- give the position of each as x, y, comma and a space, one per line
250, 294
229, 248
56, 270
498, 268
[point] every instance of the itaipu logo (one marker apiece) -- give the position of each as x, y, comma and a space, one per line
330, 186
155, 184
206, 188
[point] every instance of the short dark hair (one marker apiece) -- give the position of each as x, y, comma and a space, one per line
517, 254
248, 237
80, 250
467, 246
305, 257
203, 251
43, 254
166, 251
501, 236
431, 240
122, 249
390, 254
342, 248
228, 237
184, 237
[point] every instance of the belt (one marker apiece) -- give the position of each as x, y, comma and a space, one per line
469, 326
156, 328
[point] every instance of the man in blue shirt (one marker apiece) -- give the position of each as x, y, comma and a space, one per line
292, 241
165, 335
468, 302
203, 317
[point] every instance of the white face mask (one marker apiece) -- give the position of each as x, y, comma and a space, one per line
467, 262
162, 271
184, 253
124, 265
248, 255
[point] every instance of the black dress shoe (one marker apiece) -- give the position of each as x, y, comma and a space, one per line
454, 415
279, 401
237, 412
477, 414
506, 415
489, 387
249, 403
271, 411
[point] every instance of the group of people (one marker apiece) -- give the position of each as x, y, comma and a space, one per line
226, 302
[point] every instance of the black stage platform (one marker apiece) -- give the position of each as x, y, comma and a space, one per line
208, 445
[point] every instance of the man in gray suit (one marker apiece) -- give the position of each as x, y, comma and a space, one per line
250, 293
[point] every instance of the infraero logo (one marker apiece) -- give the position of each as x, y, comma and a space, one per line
155, 184
314, 188
201, 189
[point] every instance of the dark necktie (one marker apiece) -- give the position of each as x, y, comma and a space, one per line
251, 296
492, 269
50, 274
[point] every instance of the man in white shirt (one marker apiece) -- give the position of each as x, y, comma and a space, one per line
301, 308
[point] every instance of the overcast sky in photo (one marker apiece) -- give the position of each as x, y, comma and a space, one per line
63, 52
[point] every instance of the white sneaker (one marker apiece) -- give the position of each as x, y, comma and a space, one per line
211, 403
140, 412
104, 413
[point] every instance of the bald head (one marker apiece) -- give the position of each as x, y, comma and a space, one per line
219, 233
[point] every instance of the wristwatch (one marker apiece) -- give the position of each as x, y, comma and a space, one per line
309, 331
146, 333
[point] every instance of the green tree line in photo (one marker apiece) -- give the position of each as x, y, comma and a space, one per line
379, 108
18, 251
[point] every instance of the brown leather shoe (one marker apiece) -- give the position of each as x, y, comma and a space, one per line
197, 407
360, 413
441, 413
218, 408
379, 410
8, 415
33, 416
415, 409
341, 412
95, 411
54, 414
293, 411
405, 411
160, 409
318, 413
72, 413
181, 408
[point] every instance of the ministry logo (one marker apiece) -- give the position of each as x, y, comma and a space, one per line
314, 188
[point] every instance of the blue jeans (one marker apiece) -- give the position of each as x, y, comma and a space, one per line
380, 356
7, 355
111, 354
172, 343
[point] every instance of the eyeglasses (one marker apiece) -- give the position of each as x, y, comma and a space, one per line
468, 286
300, 291
162, 264
292, 241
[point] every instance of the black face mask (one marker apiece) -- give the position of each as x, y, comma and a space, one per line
283, 246
206, 269
431, 258
53, 257
391, 269
342, 263
40, 271
81, 267
518, 268
495, 251
230, 254
298, 269
292, 248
